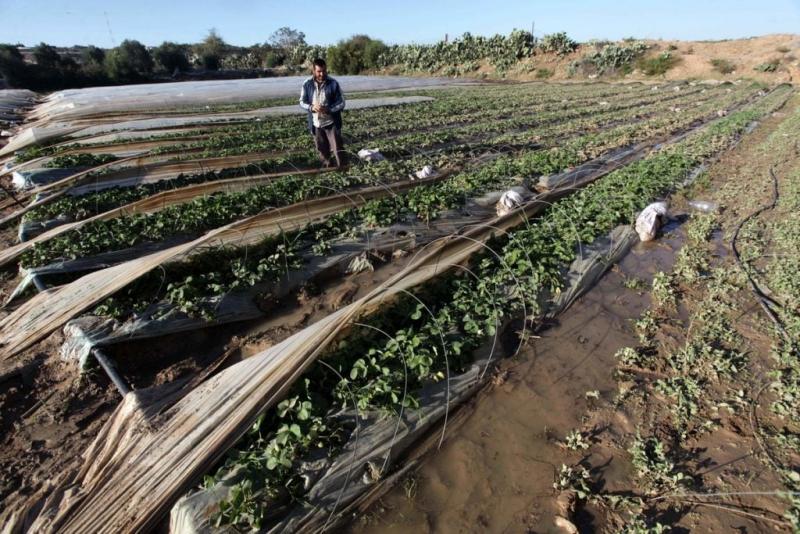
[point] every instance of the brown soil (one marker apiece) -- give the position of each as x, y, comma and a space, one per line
496, 472
50, 412
695, 61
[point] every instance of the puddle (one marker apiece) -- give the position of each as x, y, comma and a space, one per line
495, 472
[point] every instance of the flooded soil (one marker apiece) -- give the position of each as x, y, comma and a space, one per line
495, 473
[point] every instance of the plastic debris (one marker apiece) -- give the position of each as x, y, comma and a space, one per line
703, 205
509, 201
650, 220
359, 264
428, 171
370, 154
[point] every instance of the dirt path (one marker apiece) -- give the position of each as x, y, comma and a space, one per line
496, 472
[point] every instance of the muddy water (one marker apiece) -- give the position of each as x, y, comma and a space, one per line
495, 472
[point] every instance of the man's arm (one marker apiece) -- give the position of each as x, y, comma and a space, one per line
338, 104
305, 101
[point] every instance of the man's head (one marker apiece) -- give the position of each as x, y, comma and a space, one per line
319, 69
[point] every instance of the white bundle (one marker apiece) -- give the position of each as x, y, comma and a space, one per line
427, 172
509, 201
650, 220
359, 264
370, 154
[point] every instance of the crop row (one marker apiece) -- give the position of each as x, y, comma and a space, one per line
193, 290
244, 144
209, 212
449, 104
76, 208
370, 128
424, 338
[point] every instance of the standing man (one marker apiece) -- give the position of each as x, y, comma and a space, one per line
322, 98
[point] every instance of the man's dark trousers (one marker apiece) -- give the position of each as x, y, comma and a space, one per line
329, 140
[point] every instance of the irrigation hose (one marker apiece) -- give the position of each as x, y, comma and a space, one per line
762, 299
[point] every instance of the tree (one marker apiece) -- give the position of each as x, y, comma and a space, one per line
355, 54
12, 66
130, 61
212, 49
171, 56
287, 38
93, 55
373, 51
273, 58
46, 56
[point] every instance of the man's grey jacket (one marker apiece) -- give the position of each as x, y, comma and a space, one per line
333, 94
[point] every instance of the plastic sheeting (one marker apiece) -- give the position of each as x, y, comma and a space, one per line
137, 466
36, 134
88, 332
38, 177
74, 104
33, 231
13, 102
49, 310
338, 482
346, 257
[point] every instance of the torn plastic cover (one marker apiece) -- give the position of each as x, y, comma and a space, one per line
334, 483
348, 256
29, 179
615, 158
13, 102
367, 458
83, 128
89, 331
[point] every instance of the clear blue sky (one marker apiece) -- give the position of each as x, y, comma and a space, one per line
246, 22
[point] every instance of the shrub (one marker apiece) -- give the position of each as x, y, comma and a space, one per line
211, 50
302, 54
13, 67
610, 59
130, 61
93, 55
543, 74
46, 55
287, 38
273, 59
50, 72
373, 52
559, 43
501, 51
782, 49
171, 56
657, 65
723, 66
770, 66
356, 54
210, 61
